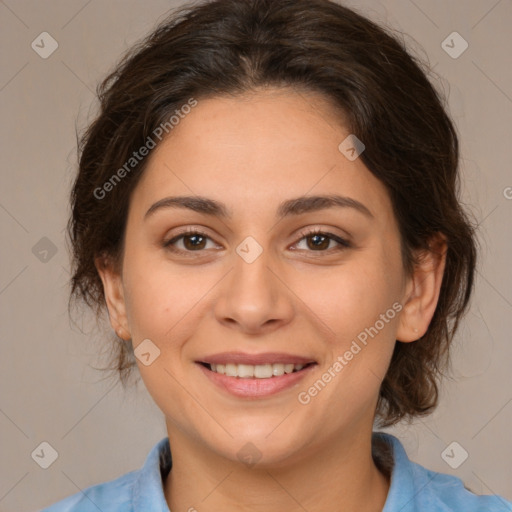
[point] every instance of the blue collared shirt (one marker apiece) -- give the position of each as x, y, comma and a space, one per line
413, 488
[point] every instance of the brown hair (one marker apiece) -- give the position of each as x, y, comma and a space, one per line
234, 46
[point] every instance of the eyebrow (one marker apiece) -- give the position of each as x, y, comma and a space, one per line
296, 206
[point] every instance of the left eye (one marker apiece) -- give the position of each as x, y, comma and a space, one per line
321, 241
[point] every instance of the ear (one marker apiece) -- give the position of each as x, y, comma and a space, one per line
422, 291
114, 296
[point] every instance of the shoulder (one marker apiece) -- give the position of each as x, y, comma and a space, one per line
137, 491
442, 492
415, 488
116, 494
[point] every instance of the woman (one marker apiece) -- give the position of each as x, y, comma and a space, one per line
267, 205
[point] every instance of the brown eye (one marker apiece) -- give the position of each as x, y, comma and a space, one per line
192, 241
318, 241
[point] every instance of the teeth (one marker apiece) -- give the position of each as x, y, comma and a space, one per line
288, 368
245, 371
259, 371
277, 369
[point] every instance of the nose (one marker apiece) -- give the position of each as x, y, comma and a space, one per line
255, 298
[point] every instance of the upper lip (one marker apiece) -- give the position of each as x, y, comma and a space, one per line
255, 359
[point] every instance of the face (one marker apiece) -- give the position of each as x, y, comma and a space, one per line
306, 295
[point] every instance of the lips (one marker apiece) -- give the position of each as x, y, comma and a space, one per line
256, 359
255, 375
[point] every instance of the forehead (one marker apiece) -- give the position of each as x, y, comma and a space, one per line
258, 149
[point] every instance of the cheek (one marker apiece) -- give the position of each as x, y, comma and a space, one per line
360, 304
351, 297
163, 301
164, 306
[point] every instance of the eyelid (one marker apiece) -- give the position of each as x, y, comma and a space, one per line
343, 242
190, 230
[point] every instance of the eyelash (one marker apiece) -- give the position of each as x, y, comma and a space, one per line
343, 244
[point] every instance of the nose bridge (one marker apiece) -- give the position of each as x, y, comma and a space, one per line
253, 297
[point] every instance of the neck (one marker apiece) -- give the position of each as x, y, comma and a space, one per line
341, 476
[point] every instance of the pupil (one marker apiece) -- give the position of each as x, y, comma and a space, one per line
193, 245
322, 242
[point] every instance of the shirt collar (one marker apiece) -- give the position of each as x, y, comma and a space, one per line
401, 494
148, 493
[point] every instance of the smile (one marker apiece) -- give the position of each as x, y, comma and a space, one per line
255, 376
260, 371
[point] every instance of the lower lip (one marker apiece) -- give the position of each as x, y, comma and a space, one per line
255, 388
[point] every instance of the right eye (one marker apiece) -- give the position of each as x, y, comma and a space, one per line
192, 240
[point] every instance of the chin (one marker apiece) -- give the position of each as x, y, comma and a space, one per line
261, 446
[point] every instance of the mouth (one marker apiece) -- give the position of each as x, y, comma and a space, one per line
259, 371
255, 376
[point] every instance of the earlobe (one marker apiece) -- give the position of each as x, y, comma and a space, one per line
114, 296
422, 291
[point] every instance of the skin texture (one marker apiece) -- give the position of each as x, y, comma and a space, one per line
252, 152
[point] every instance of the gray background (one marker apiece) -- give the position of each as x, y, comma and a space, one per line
49, 390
